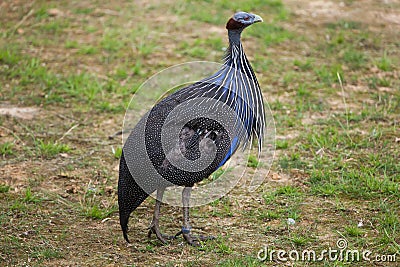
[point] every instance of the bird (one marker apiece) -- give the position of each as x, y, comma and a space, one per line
196, 134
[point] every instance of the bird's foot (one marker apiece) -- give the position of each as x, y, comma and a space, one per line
153, 229
196, 240
192, 239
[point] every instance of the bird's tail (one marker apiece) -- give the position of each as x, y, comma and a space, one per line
130, 195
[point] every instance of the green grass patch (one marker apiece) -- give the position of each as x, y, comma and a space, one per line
344, 24
328, 74
50, 149
269, 215
6, 149
292, 161
303, 65
252, 161
92, 207
299, 240
384, 63
249, 261
288, 190
4, 188
88, 50
281, 144
117, 152
271, 34
353, 231
112, 42
83, 11
95, 212
355, 59
71, 44
46, 253
30, 197
8, 56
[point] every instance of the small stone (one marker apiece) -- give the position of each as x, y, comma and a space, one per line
276, 176
109, 190
54, 12
374, 69
71, 189
291, 221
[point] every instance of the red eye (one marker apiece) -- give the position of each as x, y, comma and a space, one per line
246, 18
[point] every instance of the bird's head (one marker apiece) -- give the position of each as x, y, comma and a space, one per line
241, 20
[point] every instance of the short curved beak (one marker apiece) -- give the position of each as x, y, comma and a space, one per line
257, 18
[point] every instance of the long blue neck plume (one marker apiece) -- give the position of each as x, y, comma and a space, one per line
237, 79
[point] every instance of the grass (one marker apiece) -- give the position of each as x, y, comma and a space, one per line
50, 149
353, 231
30, 197
252, 161
240, 261
354, 59
4, 188
117, 152
6, 148
96, 212
288, 190
281, 144
384, 63
272, 34
336, 161
46, 253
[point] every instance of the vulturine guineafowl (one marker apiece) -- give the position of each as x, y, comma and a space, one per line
234, 86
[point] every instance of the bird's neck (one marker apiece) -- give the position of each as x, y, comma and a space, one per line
235, 54
234, 37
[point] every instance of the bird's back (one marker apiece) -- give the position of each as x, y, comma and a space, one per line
174, 134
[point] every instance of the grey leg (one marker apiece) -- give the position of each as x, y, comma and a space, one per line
186, 228
154, 226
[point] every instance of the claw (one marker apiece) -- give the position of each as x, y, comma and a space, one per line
196, 241
162, 237
178, 233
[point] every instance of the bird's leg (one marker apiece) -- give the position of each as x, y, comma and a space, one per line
154, 225
192, 240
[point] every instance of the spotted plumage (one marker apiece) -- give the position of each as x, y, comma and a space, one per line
151, 165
